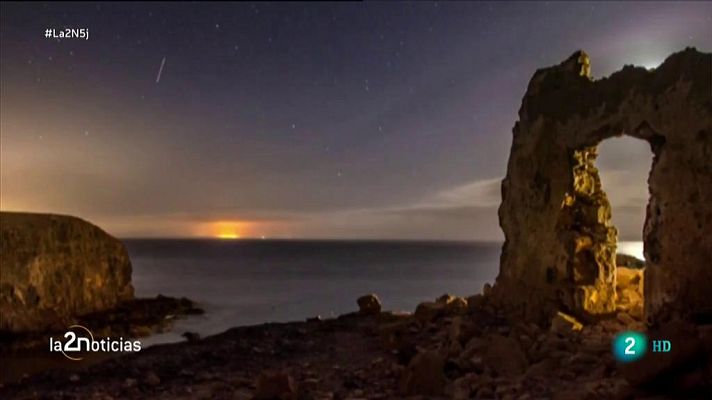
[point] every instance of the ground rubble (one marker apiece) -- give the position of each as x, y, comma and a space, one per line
448, 348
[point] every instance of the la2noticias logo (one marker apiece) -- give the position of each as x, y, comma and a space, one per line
78, 340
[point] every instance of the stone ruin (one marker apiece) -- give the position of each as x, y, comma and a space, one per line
560, 247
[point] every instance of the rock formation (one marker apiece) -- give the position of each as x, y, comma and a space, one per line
560, 246
54, 267
369, 304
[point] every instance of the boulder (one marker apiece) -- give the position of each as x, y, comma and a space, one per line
475, 301
629, 291
392, 333
453, 304
564, 324
424, 375
505, 356
369, 305
458, 305
56, 267
428, 311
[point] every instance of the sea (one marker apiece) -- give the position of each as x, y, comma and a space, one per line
249, 282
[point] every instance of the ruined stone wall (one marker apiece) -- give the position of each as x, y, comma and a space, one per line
559, 252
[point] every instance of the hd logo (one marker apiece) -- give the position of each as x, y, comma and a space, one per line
631, 346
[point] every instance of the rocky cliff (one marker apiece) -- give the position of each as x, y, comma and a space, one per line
560, 246
53, 267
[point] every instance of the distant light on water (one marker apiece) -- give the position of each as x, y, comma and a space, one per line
228, 236
634, 249
229, 229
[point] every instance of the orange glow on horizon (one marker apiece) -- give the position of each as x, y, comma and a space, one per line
228, 229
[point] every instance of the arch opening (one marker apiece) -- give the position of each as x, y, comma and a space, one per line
624, 165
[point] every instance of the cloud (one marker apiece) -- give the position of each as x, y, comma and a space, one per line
482, 193
627, 192
464, 212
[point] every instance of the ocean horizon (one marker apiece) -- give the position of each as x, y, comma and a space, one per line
253, 281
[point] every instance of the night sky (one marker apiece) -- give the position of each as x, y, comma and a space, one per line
376, 120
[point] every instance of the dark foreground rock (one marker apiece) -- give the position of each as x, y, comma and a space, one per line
458, 353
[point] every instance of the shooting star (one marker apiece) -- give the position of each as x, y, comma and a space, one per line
160, 70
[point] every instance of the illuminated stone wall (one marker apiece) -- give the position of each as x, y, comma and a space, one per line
559, 252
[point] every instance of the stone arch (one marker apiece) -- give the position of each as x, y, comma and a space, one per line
559, 250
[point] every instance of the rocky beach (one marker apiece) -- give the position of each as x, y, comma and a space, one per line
448, 348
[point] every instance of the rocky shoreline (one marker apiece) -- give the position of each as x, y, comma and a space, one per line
134, 318
448, 348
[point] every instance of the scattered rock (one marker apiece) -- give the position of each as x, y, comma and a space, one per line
629, 290
625, 319
152, 379
191, 336
462, 387
424, 375
275, 385
428, 311
564, 324
475, 301
369, 304
453, 304
542, 369
457, 305
504, 356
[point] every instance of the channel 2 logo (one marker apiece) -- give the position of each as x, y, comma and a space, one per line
631, 346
